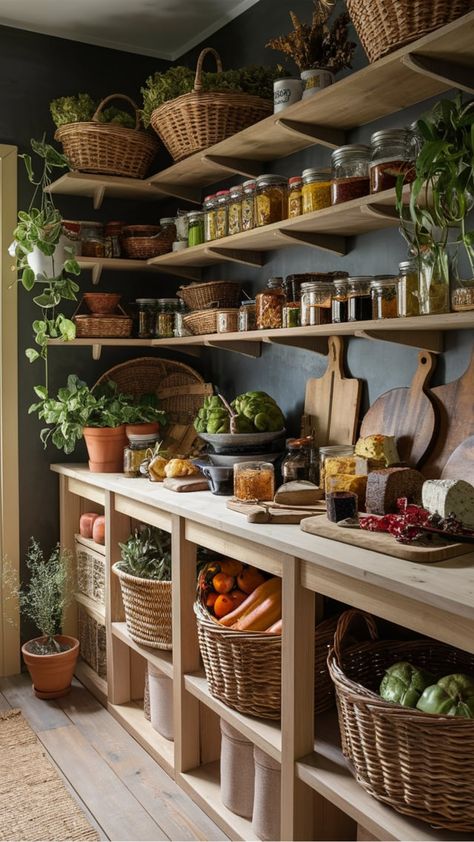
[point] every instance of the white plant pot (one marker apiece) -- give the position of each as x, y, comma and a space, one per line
286, 92
53, 265
315, 80
161, 702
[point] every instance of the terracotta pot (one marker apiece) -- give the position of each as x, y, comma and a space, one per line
105, 448
152, 427
52, 674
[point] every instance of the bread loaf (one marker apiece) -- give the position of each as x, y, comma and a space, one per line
385, 486
450, 496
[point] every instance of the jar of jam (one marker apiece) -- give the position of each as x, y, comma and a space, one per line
248, 205
392, 155
316, 303
146, 317
247, 315
291, 316
209, 210
235, 210
195, 228
359, 301
339, 306
383, 290
254, 481
316, 189
297, 463
271, 199
222, 215
165, 317
408, 291
92, 239
269, 305
350, 173
295, 196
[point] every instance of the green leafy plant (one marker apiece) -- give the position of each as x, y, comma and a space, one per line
47, 594
147, 554
81, 108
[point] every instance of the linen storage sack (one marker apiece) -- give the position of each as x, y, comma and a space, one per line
237, 771
161, 702
266, 804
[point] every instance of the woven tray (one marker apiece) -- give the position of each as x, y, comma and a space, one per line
106, 147
197, 120
420, 764
90, 325
147, 606
144, 248
210, 294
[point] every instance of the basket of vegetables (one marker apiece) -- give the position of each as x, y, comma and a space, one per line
406, 716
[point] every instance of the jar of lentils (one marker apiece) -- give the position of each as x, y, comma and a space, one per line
316, 189
209, 209
269, 305
222, 214
350, 173
316, 300
295, 196
271, 199
384, 297
392, 155
248, 205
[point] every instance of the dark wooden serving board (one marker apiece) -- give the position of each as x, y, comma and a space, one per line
455, 407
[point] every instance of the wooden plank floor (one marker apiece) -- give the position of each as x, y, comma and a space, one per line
124, 793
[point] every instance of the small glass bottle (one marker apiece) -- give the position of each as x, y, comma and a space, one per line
271, 199
139, 448
235, 210
247, 315
269, 305
248, 204
295, 196
291, 316
316, 189
383, 291
296, 464
339, 305
408, 289
392, 155
222, 216
316, 303
350, 173
359, 301
195, 228
209, 210
165, 317
146, 317
254, 481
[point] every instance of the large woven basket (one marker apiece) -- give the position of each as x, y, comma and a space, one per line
210, 294
197, 120
420, 764
386, 25
106, 147
147, 606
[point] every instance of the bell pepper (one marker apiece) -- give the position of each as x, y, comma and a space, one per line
404, 683
453, 695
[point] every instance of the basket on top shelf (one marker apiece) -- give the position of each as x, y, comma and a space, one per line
197, 120
142, 242
420, 764
385, 25
107, 148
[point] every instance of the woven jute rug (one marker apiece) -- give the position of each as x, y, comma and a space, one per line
34, 803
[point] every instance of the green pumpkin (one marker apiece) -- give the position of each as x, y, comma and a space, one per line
404, 683
453, 695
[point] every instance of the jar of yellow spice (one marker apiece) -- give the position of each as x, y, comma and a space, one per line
316, 189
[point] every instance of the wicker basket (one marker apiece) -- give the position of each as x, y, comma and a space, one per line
90, 567
210, 294
92, 640
197, 120
201, 322
385, 25
89, 325
420, 764
142, 242
147, 605
106, 147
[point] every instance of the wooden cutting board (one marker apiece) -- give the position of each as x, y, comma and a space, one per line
270, 514
460, 464
331, 407
455, 406
382, 542
408, 413
182, 484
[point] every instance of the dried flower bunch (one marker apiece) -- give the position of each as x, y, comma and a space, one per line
318, 44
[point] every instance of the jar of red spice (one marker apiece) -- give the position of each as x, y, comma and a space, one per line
350, 173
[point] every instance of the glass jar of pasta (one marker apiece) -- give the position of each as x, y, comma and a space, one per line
269, 305
235, 210
209, 209
271, 199
248, 204
222, 214
316, 189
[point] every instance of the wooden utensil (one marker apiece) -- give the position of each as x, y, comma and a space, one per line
331, 407
183, 484
268, 513
460, 464
408, 413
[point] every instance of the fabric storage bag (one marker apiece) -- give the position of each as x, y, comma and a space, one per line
237, 771
267, 792
161, 702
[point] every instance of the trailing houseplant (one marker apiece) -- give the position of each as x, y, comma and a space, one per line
80, 108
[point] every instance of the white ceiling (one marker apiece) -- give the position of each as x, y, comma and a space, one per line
160, 28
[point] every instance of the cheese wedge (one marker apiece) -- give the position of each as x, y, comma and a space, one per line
450, 496
383, 448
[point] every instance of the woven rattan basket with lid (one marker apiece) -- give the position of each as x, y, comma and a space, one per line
420, 764
197, 120
106, 147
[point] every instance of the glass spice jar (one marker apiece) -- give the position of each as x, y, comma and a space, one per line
359, 301
248, 205
295, 196
291, 314
235, 210
316, 190
408, 289
383, 291
339, 305
92, 239
316, 303
168, 229
392, 155
195, 228
271, 199
209, 209
297, 463
269, 305
350, 173
165, 317
139, 448
146, 317
254, 481
222, 215
247, 315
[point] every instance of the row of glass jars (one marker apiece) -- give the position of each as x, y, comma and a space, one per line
160, 318
358, 170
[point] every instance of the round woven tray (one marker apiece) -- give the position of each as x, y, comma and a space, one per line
220, 294
147, 605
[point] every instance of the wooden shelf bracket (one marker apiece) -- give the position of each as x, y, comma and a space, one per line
98, 197
430, 340
454, 75
320, 134
381, 212
246, 349
96, 351
188, 272
327, 242
247, 257
239, 166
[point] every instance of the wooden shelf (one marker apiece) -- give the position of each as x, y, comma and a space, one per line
90, 544
203, 785
92, 607
121, 264
89, 678
263, 733
160, 658
131, 716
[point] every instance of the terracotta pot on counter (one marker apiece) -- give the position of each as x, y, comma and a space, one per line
52, 674
105, 447
150, 427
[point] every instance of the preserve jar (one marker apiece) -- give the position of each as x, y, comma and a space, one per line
235, 210
269, 305
209, 210
248, 204
195, 228
392, 155
316, 189
359, 301
222, 217
139, 448
146, 317
408, 300
165, 317
247, 315
271, 199
291, 315
179, 328
112, 235
316, 303
297, 463
254, 481
339, 305
383, 291
330, 452
295, 196
92, 239
350, 173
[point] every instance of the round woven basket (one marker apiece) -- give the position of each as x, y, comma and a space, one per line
201, 322
197, 120
210, 294
106, 147
144, 248
420, 764
147, 606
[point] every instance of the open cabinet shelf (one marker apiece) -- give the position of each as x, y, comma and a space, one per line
160, 658
131, 716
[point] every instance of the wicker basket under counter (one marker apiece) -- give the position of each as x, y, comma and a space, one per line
92, 642
90, 572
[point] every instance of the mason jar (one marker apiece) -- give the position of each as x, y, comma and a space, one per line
235, 210
408, 288
350, 173
222, 214
165, 317
383, 290
269, 305
392, 155
295, 196
359, 301
209, 210
247, 315
248, 204
195, 228
271, 199
316, 189
339, 304
316, 303
146, 317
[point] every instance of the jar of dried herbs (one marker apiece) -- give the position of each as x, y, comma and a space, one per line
271, 199
222, 214
291, 314
408, 288
165, 317
247, 315
235, 210
209, 209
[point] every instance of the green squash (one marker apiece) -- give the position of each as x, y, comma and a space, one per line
453, 695
404, 683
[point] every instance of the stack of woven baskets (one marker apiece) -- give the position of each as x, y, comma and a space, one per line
206, 301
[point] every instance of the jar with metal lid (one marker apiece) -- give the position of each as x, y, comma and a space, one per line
383, 291
146, 317
139, 448
297, 463
269, 305
254, 481
168, 228
330, 452
291, 315
359, 301
392, 155
316, 303
165, 317
235, 210
408, 290
181, 223
271, 199
316, 189
112, 234
92, 239
248, 205
339, 304
247, 315
179, 328
195, 228
222, 214
350, 173
295, 196
209, 209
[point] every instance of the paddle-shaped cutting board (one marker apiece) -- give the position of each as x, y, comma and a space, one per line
408, 413
460, 464
331, 407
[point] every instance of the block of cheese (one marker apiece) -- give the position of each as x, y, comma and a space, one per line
385, 486
348, 482
383, 448
364, 466
450, 496
339, 465
298, 493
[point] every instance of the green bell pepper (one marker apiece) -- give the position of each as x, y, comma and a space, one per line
404, 683
453, 695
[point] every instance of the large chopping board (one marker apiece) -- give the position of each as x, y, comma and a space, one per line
408, 413
273, 513
331, 407
460, 464
382, 542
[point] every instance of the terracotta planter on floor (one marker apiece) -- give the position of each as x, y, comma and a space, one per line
151, 428
105, 448
52, 674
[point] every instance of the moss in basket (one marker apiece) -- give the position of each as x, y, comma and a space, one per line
81, 108
147, 554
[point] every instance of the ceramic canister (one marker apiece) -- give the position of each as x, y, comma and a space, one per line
316, 79
286, 92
